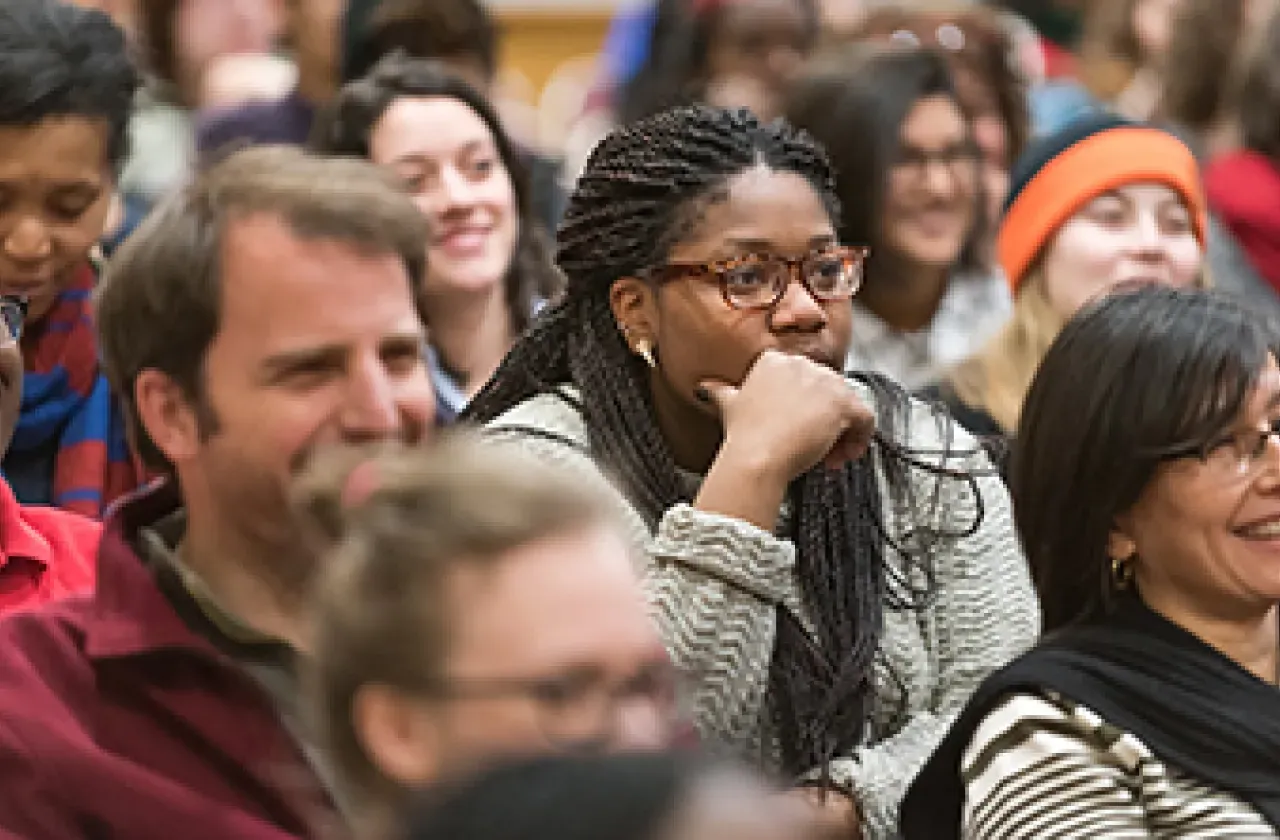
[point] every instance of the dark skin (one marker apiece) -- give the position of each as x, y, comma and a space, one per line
723, 373
55, 194
10, 388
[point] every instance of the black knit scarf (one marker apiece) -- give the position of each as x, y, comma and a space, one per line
1193, 707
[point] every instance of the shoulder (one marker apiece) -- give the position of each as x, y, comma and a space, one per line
975, 421
922, 426
549, 419
70, 529
73, 544
46, 691
248, 122
43, 663
1045, 729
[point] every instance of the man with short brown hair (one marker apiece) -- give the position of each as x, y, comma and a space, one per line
266, 311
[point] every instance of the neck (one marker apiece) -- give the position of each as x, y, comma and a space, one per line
247, 578
472, 332
905, 295
692, 436
1251, 639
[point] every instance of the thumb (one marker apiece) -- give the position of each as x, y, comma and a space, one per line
716, 393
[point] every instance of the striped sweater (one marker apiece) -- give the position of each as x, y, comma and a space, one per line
1041, 766
713, 583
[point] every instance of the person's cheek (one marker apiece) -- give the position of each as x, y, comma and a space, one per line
1188, 263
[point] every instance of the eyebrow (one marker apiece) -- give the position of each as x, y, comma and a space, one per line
749, 244
73, 184
468, 148
290, 360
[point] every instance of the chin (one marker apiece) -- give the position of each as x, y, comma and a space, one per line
468, 278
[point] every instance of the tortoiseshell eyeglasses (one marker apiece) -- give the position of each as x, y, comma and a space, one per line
760, 281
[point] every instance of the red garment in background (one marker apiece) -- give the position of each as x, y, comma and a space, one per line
1059, 62
45, 552
118, 721
1244, 192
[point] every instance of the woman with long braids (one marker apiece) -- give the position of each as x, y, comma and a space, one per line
831, 564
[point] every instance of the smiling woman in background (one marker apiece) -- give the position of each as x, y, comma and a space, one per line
488, 268
910, 186
66, 90
1146, 481
1101, 202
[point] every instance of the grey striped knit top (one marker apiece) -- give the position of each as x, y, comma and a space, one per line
1041, 766
713, 583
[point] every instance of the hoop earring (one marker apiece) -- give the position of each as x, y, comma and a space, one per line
1121, 573
644, 349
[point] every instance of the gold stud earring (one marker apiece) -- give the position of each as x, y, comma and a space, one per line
1121, 572
644, 349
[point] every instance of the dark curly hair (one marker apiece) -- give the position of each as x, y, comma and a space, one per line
642, 188
345, 128
59, 60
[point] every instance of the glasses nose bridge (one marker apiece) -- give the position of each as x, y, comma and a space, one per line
794, 273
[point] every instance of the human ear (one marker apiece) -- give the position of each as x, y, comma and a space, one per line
635, 309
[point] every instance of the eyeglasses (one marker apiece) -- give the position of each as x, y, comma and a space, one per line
760, 281
580, 707
13, 308
959, 160
1236, 455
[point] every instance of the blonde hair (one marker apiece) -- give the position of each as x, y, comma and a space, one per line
997, 378
393, 527
1110, 54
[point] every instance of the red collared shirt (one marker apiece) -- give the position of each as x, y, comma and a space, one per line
45, 552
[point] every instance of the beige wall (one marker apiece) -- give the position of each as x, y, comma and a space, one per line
536, 41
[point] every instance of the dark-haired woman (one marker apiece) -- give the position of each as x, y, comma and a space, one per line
909, 178
489, 269
833, 592
1146, 481
66, 92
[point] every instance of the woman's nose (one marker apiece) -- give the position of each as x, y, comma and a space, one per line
28, 241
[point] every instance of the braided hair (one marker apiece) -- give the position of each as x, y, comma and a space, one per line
641, 189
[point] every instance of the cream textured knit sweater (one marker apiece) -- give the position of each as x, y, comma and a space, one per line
713, 583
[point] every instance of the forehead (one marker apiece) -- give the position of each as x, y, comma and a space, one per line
935, 115
56, 149
761, 205
285, 292
433, 126
1147, 192
562, 601
1266, 391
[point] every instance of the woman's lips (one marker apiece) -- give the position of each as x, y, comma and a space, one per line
461, 242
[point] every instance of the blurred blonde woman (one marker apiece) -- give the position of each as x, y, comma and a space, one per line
476, 605
1100, 203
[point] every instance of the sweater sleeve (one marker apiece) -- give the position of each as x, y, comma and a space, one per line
1039, 769
983, 614
712, 584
